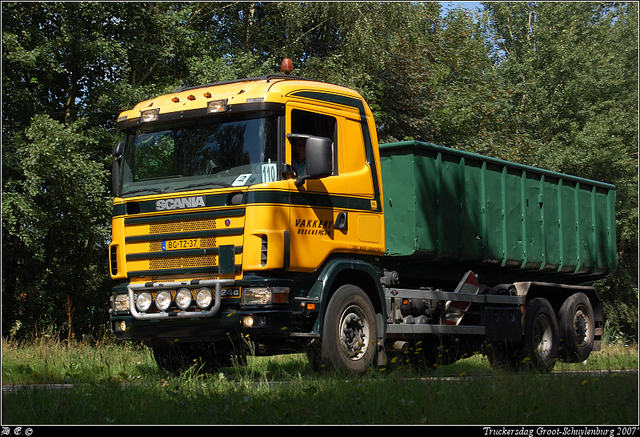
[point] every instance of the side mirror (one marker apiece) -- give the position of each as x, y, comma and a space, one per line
118, 149
319, 157
115, 170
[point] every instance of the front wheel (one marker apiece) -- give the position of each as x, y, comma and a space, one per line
176, 358
350, 331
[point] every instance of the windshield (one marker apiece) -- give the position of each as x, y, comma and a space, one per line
225, 154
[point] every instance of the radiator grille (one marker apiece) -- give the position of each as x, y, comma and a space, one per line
151, 243
182, 226
183, 262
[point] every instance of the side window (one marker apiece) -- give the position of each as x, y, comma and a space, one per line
310, 123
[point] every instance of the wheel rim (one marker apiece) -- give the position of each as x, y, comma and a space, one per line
581, 325
543, 336
354, 332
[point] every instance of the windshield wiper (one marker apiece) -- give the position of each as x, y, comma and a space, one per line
203, 184
154, 190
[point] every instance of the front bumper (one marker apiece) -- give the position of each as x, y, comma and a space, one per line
227, 324
225, 320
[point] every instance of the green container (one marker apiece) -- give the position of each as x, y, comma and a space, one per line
448, 211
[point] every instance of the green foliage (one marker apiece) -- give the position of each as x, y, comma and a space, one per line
55, 216
574, 71
115, 383
118, 383
548, 84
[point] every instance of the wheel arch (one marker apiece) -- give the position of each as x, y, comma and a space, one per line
556, 294
341, 271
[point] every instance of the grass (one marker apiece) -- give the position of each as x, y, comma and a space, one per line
119, 383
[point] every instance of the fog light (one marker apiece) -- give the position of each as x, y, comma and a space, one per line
254, 321
163, 300
183, 298
121, 302
143, 301
204, 298
123, 326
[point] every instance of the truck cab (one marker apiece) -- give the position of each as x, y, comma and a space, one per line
217, 231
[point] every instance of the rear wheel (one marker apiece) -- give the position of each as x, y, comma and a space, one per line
541, 339
539, 347
576, 327
349, 339
504, 357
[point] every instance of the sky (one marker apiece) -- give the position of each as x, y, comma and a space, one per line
446, 6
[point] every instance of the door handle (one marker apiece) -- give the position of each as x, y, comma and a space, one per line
341, 221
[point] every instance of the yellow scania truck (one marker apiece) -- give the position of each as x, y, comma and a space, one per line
261, 214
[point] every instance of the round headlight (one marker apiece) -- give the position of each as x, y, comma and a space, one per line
204, 298
183, 298
163, 300
143, 302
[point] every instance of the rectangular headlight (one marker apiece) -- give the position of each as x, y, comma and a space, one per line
256, 296
265, 295
121, 302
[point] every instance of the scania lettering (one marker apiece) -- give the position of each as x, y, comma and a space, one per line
180, 203
364, 255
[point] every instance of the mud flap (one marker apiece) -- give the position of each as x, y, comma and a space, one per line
381, 354
455, 310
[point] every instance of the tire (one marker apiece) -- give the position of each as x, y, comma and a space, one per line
175, 358
504, 357
541, 340
539, 347
350, 333
576, 325
171, 357
313, 353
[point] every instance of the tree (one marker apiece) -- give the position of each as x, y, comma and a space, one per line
68, 69
574, 70
54, 220
548, 84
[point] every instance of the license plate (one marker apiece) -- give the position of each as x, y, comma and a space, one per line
187, 243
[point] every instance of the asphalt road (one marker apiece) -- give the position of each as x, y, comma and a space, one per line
7, 389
